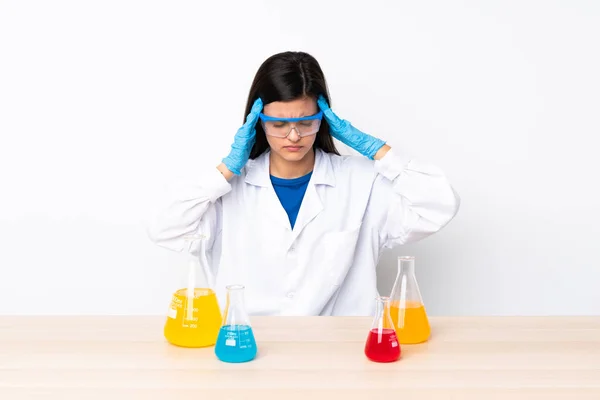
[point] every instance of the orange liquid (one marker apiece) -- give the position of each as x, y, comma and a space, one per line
411, 323
203, 327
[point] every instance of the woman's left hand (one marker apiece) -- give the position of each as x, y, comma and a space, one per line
343, 131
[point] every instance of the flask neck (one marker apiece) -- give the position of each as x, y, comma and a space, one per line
381, 304
235, 312
405, 291
235, 295
382, 318
406, 265
199, 274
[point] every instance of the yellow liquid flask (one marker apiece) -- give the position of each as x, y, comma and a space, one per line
407, 309
194, 316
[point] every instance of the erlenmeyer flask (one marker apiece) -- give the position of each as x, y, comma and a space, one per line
236, 341
407, 308
194, 316
382, 344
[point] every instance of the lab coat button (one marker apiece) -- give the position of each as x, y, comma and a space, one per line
290, 295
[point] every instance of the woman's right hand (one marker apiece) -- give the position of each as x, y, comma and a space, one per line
243, 141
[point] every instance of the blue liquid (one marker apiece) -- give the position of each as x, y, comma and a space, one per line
235, 344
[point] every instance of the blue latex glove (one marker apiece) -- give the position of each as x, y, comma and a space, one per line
343, 131
243, 141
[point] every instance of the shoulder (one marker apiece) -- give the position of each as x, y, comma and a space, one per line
350, 164
347, 173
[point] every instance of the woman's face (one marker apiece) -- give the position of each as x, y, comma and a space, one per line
293, 147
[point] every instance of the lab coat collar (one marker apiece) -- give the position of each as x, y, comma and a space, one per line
258, 170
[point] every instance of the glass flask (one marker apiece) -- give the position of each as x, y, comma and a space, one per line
382, 344
236, 341
194, 316
407, 308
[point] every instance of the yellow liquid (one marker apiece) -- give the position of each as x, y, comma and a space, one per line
203, 328
411, 323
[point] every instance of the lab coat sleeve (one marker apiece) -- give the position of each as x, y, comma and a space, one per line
189, 206
416, 198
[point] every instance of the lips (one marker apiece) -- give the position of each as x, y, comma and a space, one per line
292, 148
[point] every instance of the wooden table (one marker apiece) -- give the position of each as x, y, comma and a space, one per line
301, 358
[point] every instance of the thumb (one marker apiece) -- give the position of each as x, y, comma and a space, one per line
257, 106
330, 116
322, 103
254, 112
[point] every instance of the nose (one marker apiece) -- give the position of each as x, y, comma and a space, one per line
293, 135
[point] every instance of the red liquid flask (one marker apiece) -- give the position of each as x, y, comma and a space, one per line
382, 344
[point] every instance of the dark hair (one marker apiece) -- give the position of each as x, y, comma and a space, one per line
289, 76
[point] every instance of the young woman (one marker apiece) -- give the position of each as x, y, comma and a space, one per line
288, 217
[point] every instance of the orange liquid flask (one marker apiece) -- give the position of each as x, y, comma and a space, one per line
407, 309
382, 344
194, 317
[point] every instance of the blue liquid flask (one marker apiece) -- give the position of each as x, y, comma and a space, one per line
235, 342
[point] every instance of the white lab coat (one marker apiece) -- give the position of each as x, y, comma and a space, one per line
326, 264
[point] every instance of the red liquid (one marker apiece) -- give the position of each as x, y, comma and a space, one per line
382, 345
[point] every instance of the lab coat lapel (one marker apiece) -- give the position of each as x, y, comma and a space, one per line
312, 204
271, 207
268, 204
311, 207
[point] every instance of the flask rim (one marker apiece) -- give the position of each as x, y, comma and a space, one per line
383, 299
236, 286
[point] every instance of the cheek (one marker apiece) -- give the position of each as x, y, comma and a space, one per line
272, 141
310, 140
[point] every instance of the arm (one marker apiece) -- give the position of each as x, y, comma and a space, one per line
189, 207
195, 206
381, 152
227, 174
410, 200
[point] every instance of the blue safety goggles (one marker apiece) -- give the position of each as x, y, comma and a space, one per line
282, 127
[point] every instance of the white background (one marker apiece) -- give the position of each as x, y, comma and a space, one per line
103, 103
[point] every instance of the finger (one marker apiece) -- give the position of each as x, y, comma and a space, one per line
330, 116
322, 103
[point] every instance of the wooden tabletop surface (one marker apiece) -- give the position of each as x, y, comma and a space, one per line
301, 358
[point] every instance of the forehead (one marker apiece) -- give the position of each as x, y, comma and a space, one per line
291, 109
